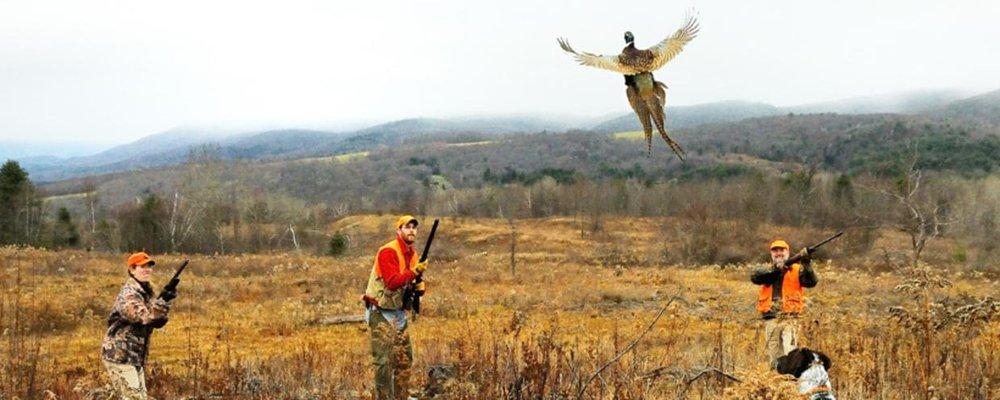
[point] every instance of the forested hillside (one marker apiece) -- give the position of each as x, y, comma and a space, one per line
279, 189
853, 143
174, 146
983, 110
960, 128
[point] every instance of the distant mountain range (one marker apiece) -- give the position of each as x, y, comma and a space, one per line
174, 146
912, 102
47, 150
730, 111
979, 114
679, 117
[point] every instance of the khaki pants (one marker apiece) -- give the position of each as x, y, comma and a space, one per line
128, 380
392, 355
781, 334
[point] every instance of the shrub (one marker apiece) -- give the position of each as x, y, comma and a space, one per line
337, 245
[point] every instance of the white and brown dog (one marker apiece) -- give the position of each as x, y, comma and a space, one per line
810, 368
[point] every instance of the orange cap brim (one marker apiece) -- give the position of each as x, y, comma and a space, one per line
144, 261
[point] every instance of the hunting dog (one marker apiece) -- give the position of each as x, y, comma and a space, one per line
810, 368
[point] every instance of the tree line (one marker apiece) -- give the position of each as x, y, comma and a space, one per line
214, 205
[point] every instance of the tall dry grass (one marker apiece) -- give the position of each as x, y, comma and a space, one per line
249, 326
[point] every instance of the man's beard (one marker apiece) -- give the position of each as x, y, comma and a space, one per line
779, 261
409, 239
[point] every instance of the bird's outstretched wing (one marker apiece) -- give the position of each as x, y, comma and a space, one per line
609, 63
668, 48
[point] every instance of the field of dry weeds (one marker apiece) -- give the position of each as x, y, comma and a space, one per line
250, 326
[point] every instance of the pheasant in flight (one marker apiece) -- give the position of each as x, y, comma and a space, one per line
646, 95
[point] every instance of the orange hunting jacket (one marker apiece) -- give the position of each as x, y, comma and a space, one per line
783, 291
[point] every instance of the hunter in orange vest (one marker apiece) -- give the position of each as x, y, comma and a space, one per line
782, 298
396, 265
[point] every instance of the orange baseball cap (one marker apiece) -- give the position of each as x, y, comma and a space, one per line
778, 244
140, 258
405, 220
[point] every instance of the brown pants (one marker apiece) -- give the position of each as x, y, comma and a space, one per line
392, 355
781, 334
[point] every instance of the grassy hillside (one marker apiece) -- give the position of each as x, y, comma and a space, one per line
250, 326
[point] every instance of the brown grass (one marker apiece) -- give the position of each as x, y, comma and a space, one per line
245, 326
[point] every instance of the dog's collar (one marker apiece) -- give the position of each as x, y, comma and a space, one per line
816, 392
820, 388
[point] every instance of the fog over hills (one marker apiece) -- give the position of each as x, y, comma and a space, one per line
48, 150
980, 113
911, 102
174, 146
689, 116
982, 109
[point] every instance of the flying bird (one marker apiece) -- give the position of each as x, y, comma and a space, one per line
646, 95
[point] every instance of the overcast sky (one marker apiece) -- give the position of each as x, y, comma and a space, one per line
113, 71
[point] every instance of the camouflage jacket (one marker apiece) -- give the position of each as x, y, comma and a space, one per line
133, 318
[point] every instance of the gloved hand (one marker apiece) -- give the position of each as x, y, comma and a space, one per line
420, 267
805, 256
168, 295
158, 323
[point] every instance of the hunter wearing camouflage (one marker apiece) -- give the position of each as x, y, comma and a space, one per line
133, 317
782, 298
396, 265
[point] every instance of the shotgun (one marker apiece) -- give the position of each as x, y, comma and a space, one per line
811, 249
175, 280
413, 291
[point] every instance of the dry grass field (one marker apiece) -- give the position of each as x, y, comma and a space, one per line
249, 326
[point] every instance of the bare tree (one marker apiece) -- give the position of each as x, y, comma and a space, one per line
917, 212
92, 199
295, 240
513, 245
339, 210
183, 216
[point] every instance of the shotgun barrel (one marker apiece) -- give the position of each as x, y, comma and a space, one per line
812, 249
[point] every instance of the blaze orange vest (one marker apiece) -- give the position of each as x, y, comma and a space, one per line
388, 299
792, 294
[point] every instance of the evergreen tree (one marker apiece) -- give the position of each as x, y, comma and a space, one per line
64, 233
337, 245
14, 186
141, 226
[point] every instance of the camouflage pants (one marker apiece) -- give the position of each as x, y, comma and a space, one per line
781, 334
128, 380
392, 354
